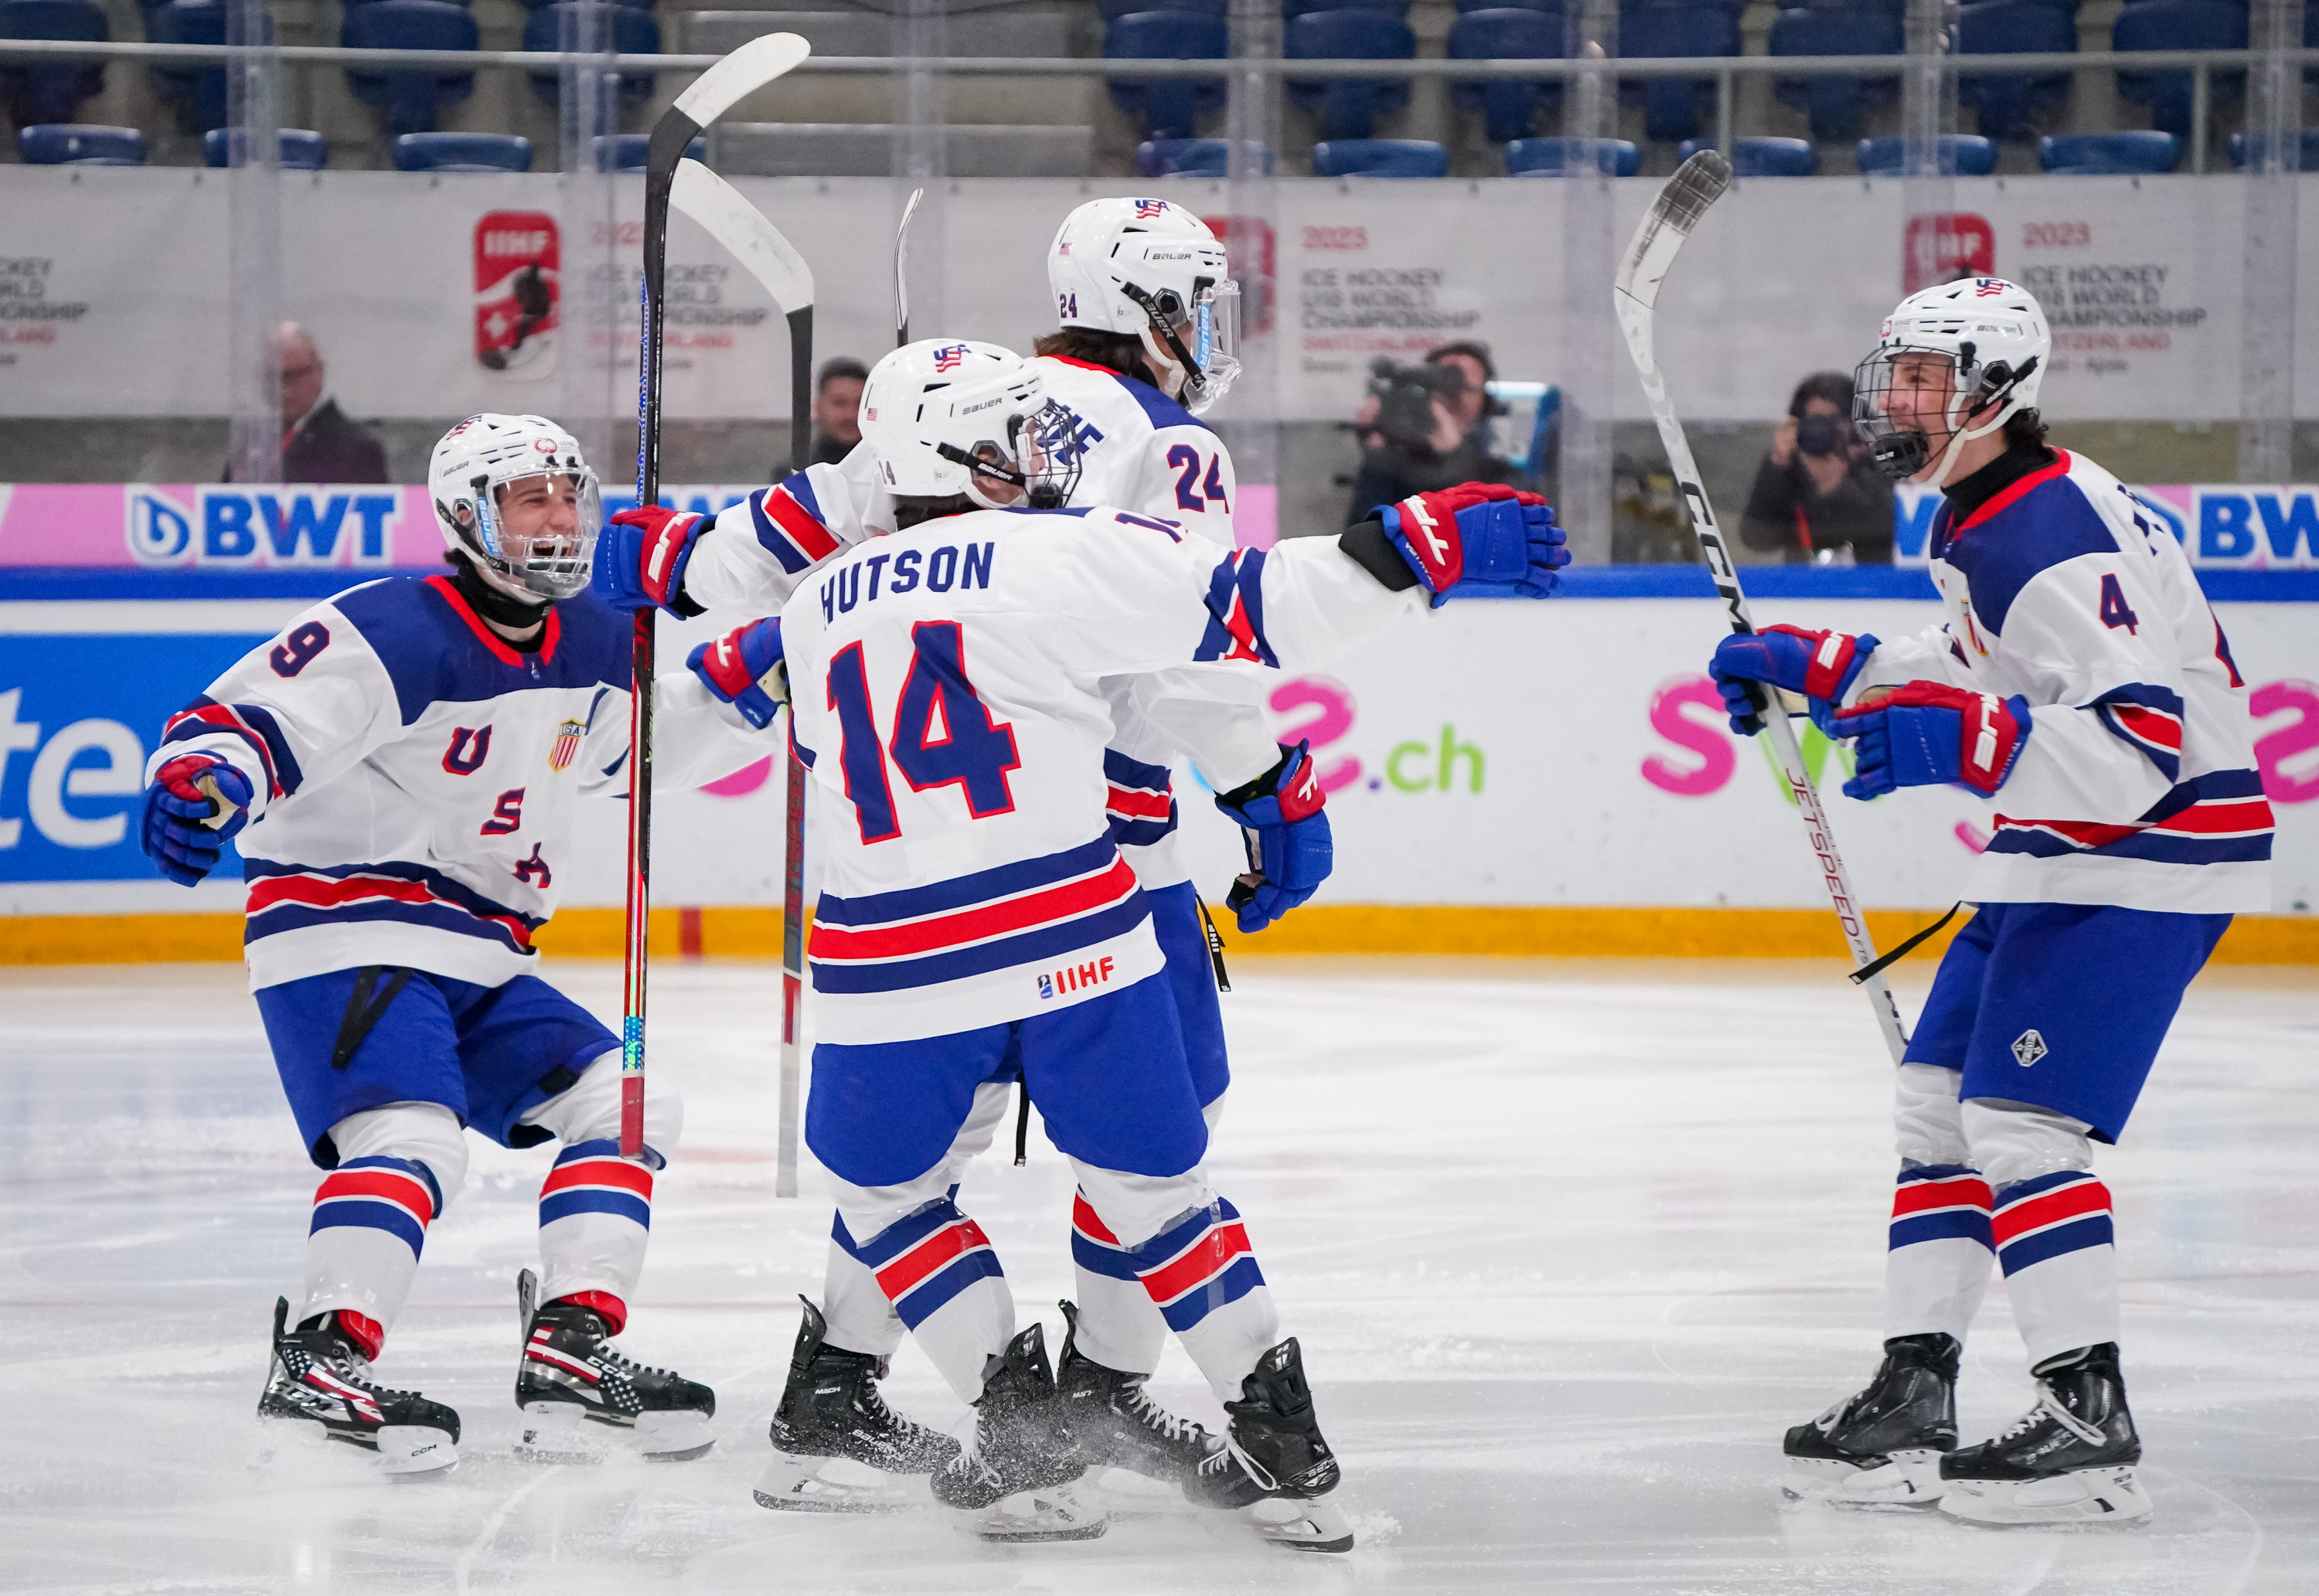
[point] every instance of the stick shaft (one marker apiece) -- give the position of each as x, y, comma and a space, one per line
785, 1165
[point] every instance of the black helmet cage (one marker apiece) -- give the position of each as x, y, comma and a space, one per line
1050, 436
1900, 453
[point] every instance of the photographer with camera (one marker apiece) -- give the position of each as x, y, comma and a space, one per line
1426, 427
1818, 500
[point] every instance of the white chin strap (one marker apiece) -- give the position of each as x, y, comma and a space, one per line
1163, 362
1959, 438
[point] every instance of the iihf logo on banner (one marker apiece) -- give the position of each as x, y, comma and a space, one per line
950, 356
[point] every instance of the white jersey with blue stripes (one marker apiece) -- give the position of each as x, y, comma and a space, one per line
951, 687
2137, 786
414, 775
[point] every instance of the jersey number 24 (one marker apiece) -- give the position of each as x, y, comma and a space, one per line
1190, 493
944, 734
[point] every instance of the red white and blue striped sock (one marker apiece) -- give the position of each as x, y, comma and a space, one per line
937, 1268
595, 1217
362, 1248
1120, 1327
2058, 1249
1202, 1275
1936, 1269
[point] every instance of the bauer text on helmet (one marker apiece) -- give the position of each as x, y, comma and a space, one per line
949, 416
1954, 363
1151, 268
513, 495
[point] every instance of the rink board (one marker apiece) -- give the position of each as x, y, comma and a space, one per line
1562, 767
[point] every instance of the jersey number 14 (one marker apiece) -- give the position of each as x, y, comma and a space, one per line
944, 734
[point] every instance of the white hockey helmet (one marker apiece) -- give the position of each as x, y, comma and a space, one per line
1152, 269
1993, 336
478, 458
948, 416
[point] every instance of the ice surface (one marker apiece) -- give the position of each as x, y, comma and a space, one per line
1568, 1246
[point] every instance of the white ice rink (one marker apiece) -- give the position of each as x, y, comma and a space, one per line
1568, 1246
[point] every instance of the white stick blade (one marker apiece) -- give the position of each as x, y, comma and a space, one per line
1696, 185
739, 226
747, 69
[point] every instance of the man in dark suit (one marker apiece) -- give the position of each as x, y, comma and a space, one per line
318, 443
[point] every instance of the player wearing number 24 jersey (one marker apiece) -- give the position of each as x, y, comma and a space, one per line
2080, 680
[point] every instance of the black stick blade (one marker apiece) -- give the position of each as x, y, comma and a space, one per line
1696, 185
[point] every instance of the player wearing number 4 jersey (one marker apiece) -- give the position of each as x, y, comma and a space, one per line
978, 922
2082, 681
399, 769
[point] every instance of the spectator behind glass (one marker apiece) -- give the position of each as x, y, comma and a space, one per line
318, 443
837, 414
1818, 499
1396, 460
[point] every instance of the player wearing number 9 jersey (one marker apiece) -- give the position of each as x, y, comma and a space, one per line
2080, 680
400, 769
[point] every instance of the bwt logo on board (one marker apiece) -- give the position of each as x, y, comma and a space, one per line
271, 526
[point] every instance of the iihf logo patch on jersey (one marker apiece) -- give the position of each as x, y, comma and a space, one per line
566, 747
2029, 1047
950, 356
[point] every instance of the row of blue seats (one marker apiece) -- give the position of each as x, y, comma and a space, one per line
2138, 153
2008, 104
84, 144
407, 101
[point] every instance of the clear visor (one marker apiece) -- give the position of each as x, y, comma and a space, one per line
538, 532
1213, 341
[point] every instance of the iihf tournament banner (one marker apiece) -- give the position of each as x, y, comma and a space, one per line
435, 296
1566, 753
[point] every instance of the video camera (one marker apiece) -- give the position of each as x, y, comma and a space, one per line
1405, 395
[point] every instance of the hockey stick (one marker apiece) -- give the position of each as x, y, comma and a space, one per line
1696, 185
710, 96
758, 245
901, 270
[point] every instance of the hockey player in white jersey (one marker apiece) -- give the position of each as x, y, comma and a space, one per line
2082, 681
978, 922
399, 769
1147, 342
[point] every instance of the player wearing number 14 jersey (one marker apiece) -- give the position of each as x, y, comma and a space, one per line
2080, 680
400, 769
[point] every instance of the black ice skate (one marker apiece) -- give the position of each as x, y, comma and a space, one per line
319, 1375
2068, 1460
571, 1380
838, 1447
1016, 1475
1117, 1423
1276, 1462
1883, 1446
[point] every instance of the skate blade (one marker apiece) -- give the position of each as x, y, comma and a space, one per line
1052, 1514
414, 1451
562, 1432
799, 1484
2083, 1497
672, 1437
1302, 1525
1122, 1493
1911, 1478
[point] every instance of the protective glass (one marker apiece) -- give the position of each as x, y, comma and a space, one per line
1215, 344
551, 564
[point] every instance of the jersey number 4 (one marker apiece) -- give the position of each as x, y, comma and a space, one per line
2114, 611
944, 734
1185, 460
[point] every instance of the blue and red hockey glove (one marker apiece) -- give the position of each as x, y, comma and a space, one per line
744, 669
177, 833
1821, 665
641, 556
1286, 830
1926, 734
1478, 540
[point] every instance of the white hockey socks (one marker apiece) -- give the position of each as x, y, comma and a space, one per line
1938, 1266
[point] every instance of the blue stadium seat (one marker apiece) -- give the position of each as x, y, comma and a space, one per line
1170, 107
1553, 5
2178, 24
2011, 103
51, 91
626, 152
632, 33
1296, 8
1761, 157
1961, 155
196, 94
1837, 105
79, 144
1188, 158
408, 100
301, 150
2084, 155
1550, 157
1509, 107
1113, 10
2309, 161
1348, 107
1671, 105
460, 152
1379, 157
